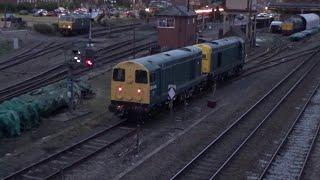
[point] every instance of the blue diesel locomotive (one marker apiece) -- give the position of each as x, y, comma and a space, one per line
141, 85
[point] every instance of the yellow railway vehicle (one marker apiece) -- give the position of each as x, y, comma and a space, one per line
72, 24
300, 22
292, 25
130, 83
222, 57
141, 85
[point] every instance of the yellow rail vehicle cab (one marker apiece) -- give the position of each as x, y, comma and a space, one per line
206, 57
287, 27
222, 58
130, 84
67, 25
70, 24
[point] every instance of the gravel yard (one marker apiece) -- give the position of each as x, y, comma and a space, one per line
166, 144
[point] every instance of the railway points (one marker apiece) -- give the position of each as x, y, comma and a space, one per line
263, 85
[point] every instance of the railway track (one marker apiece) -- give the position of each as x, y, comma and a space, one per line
60, 72
279, 46
310, 162
32, 54
111, 30
213, 161
293, 148
23, 52
275, 62
72, 156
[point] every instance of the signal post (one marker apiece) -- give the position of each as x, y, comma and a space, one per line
72, 64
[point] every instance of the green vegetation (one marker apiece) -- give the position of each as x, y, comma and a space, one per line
49, 6
124, 3
45, 29
4, 47
24, 112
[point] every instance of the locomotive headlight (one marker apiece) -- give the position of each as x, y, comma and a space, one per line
139, 91
69, 27
120, 89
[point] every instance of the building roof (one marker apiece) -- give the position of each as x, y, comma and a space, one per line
177, 11
299, 5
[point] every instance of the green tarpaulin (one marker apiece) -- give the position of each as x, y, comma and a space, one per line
303, 34
24, 112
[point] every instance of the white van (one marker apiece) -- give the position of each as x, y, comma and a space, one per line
275, 27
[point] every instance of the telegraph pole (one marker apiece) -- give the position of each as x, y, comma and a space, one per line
253, 41
252, 25
250, 22
90, 26
188, 5
70, 80
134, 40
5, 16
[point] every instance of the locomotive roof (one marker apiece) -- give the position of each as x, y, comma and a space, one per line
225, 41
167, 58
74, 16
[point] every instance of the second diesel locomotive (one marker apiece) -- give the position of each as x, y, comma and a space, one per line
73, 23
141, 85
299, 23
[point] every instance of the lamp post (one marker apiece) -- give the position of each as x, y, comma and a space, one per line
250, 22
5, 16
147, 10
134, 40
221, 31
90, 26
214, 14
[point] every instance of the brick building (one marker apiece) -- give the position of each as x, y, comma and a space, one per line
27, 1
295, 6
177, 27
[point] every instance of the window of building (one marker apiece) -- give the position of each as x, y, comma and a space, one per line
119, 74
141, 76
166, 23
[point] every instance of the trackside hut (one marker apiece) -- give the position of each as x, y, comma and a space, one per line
176, 27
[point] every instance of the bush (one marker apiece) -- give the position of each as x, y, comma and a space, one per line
4, 46
124, 3
142, 14
44, 28
9, 7
117, 14
49, 6
55, 26
23, 12
25, 6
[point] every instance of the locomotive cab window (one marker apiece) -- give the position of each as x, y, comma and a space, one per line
119, 74
204, 57
141, 76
